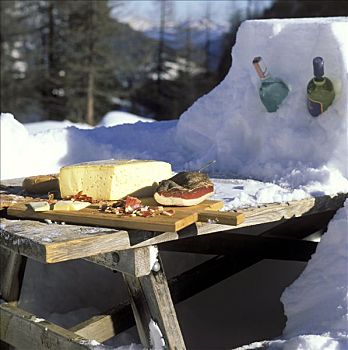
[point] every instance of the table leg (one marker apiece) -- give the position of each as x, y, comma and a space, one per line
151, 300
13, 267
12, 273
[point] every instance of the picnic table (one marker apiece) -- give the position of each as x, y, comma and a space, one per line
274, 231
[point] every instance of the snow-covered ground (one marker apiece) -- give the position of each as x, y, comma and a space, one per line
260, 158
110, 119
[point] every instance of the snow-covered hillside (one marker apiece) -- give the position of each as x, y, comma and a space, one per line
199, 34
201, 30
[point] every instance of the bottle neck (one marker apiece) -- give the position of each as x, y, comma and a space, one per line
261, 68
318, 68
319, 80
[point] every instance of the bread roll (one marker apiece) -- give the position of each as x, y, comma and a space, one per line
41, 184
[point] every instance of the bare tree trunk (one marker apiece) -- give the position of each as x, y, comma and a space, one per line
188, 46
50, 62
50, 39
91, 71
250, 9
161, 43
90, 97
207, 36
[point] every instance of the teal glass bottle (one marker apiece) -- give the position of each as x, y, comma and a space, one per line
273, 91
320, 91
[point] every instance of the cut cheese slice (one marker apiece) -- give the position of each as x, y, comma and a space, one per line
39, 206
113, 179
70, 205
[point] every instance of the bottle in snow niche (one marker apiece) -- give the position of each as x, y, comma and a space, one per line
272, 91
320, 91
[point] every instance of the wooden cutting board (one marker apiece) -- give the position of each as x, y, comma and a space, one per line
183, 217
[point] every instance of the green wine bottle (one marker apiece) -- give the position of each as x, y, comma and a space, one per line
272, 91
320, 91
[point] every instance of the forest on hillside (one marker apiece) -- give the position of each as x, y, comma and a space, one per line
74, 60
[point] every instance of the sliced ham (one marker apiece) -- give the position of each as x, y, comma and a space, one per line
184, 189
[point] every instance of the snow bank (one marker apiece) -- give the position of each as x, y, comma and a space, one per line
23, 154
119, 117
316, 304
47, 125
289, 146
33, 151
110, 119
322, 289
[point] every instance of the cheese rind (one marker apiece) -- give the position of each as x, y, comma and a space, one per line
113, 179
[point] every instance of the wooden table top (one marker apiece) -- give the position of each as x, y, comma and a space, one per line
55, 242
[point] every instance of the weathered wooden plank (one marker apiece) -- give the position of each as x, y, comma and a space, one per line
50, 243
24, 330
261, 219
105, 326
157, 294
99, 328
4, 257
141, 312
302, 226
12, 277
281, 211
11, 192
135, 262
54, 243
16, 183
12, 267
151, 299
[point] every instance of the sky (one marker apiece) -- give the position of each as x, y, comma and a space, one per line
220, 9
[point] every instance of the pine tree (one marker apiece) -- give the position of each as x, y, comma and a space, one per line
207, 44
17, 57
36, 91
51, 60
308, 8
166, 12
90, 69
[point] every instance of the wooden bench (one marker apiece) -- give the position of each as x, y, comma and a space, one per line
275, 231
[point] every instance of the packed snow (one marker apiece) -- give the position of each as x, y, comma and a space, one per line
119, 117
46, 125
316, 304
110, 119
290, 147
260, 157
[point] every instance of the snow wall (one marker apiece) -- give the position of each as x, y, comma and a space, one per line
231, 125
317, 302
